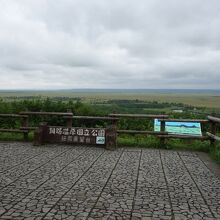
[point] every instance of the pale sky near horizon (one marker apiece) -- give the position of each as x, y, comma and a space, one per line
62, 44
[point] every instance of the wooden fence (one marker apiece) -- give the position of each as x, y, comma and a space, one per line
113, 118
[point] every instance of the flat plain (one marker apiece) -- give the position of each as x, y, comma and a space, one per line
194, 98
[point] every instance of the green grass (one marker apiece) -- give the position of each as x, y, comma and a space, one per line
154, 142
215, 153
15, 136
138, 141
175, 144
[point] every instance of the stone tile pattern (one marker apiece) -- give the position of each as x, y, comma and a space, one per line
78, 182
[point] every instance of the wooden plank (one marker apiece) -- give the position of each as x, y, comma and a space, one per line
28, 128
13, 116
162, 129
212, 136
47, 113
13, 130
214, 119
189, 137
138, 116
185, 120
141, 132
95, 118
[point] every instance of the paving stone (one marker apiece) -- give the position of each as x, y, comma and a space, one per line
186, 199
27, 166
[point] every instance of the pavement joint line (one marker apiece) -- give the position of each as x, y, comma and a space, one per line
4, 171
31, 191
19, 149
23, 161
211, 171
35, 169
105, 184
136, 184
168, 191
77, 180
196, 186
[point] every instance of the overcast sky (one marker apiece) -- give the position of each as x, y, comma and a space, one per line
54, 44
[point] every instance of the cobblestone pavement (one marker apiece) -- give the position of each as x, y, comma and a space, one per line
76, 182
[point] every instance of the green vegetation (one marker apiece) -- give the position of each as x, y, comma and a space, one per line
215, 153
15, 136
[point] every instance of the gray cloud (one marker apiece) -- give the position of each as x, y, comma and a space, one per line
109, 44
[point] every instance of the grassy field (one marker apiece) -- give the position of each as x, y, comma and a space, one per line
196, 99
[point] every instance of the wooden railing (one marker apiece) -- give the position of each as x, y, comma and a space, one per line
140, 116
212, 135
162, 134
24, 121
113, 118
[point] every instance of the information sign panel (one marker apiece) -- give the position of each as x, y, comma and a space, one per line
182, 128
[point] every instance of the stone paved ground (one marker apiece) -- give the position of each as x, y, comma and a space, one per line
66, 182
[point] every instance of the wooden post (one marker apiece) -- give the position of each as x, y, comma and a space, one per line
39, 134
213, 131
24, 123
69, 122
162, 129
111, 138
113, 128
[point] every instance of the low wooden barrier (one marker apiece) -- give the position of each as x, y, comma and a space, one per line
24, 121
139, 116
113, 118
163, 135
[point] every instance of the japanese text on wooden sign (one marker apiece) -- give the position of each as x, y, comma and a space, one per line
76, 135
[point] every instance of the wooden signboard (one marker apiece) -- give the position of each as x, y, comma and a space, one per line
76, 135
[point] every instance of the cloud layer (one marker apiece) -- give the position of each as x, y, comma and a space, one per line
53, 44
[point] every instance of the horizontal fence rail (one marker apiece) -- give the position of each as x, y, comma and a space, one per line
141, 132
212, 136
189, 137
93, 118
13, 116
213, 119
185, 120
138, 116
47, 113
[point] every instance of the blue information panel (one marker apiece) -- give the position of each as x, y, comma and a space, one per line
184, 128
